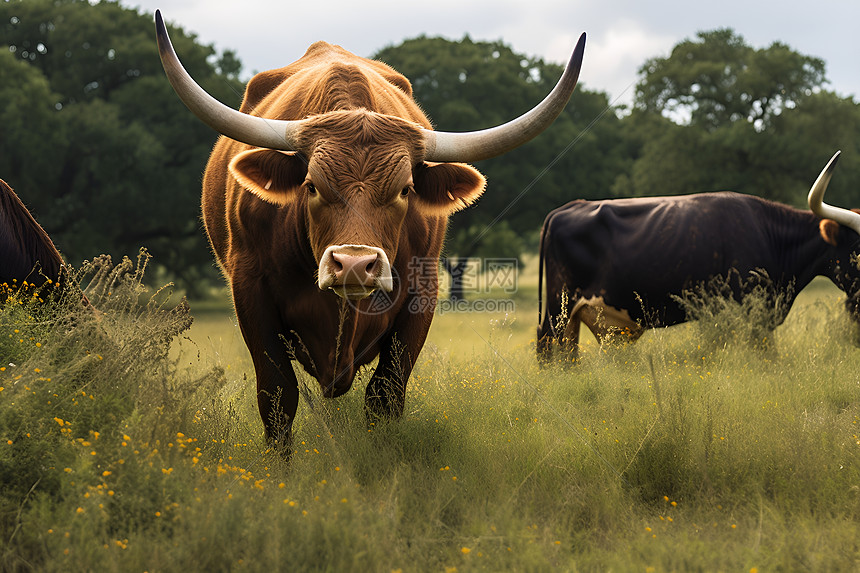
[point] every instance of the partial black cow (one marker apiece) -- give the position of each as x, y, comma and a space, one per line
27, 253
620, 265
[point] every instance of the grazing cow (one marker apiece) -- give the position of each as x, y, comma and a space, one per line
27, 253
620, 265
326, 203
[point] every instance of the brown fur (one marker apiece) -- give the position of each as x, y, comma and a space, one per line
829, 231
357, 177
26, 251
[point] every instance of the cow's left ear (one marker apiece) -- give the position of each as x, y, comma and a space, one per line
829, 230
270, 174
445, 188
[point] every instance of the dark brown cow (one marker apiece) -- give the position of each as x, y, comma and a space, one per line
326, 204
622, 266
27, 253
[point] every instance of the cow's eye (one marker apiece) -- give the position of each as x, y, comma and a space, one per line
405, 191
311, 189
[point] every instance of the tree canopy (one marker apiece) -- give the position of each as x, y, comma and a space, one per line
95, 142
718, 114
718, 79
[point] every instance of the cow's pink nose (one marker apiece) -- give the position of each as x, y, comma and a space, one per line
355, 269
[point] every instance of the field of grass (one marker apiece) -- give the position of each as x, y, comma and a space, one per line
130, 444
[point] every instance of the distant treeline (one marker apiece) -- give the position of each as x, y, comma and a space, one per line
97, 145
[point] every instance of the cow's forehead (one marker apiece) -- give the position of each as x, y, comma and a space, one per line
354, 130
340, 165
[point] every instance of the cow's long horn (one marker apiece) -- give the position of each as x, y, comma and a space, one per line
257, 131
816, 195
477, 145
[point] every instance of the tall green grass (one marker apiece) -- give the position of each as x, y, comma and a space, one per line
124, 446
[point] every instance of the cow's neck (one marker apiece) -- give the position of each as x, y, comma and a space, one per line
801, 252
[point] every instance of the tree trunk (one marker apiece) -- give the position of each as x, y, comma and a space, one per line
456, 270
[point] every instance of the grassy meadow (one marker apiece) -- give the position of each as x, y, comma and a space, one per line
131, 442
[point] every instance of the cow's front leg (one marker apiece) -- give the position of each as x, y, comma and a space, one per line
385, 396
277, 387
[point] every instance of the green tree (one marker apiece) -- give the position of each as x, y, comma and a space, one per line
30, 123
802, 139
719, 79
114, 160
720, 115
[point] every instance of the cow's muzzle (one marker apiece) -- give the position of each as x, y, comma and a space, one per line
355, 271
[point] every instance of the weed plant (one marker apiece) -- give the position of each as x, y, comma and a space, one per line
682, 452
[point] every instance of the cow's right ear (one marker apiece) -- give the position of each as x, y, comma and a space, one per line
829, 230
270, 174
445, 188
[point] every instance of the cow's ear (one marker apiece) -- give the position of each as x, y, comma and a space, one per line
445, 188
270, 174
829, 230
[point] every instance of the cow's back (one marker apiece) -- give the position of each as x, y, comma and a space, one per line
645, 250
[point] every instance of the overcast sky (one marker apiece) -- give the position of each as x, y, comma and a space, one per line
622, 34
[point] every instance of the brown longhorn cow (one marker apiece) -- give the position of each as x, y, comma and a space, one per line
326, 202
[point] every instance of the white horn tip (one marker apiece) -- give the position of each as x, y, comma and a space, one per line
832, 163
